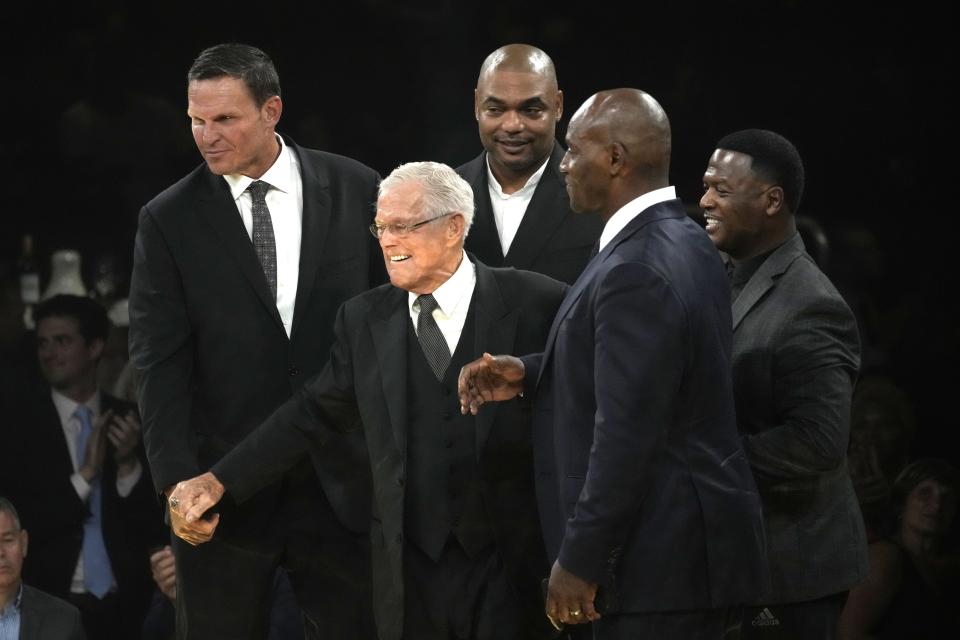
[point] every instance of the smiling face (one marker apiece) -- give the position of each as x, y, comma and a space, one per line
425, 257
233, 134
66, 358
517, 113
736, 205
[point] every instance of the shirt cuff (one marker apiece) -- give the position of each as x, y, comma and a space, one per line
81, 486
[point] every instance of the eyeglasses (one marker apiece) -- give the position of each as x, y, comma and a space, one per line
402, 230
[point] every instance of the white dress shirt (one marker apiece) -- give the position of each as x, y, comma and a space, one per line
509, 208
66, 408
453, 302
631, 210
285, 201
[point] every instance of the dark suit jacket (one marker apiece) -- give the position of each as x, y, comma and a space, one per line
206, 337
366, 380
43, 617
795, 357
642, 483
39, 466
551, 239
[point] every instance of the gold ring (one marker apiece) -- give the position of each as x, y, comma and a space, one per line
174, 502
575, 613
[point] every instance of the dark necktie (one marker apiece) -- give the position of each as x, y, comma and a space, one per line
431, 339
264, 242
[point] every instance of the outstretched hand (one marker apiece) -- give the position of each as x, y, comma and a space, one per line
489, 379
188, 502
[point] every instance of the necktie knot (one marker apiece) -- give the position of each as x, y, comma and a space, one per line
427, 303
258, 191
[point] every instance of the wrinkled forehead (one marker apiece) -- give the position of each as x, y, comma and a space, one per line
402, 202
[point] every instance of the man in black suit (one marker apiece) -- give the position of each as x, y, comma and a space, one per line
27, 613
455, 538
645, 495
795, 359
523, 217
239, 269
78, 471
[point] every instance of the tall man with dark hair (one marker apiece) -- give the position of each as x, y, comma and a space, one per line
27, 613
795, 359
456, 544
78, 471
239, 269
647, 504
523, 212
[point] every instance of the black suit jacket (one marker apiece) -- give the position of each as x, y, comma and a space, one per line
207, 340
795, 358
642, 482
551, 239
39, 467
43, 617
366, 381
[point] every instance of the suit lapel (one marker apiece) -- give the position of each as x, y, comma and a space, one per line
388, 326
316, 220
765, 277
30, 617
495, 332
483, 238
218, 208
546, 211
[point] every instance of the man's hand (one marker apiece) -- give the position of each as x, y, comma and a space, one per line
96, 449
188, 502
124, 434
489, 379
164, 570
569, 598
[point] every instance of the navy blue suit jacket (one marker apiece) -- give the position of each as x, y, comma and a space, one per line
643, 486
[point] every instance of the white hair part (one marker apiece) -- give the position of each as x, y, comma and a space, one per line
444, 191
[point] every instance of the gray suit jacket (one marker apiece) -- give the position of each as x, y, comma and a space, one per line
796, 353
43, 617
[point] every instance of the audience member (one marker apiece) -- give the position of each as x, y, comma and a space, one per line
27, 613
523, 216
795, 361
239, 269
649, 510
74, 461
914, 583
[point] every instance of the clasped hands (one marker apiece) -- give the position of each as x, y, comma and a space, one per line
188, 502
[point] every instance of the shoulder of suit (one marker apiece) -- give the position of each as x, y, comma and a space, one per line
525, 284
469, 170
362, 303
189, 186
336, 163
43, 602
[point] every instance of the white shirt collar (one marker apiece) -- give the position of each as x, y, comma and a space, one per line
454, 292
631, 210
277, 176
67, 407
531, 183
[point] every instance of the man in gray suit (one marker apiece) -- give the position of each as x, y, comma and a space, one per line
25, 612
796, 353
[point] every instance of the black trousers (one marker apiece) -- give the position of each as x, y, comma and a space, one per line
810, 620
225, 586
709, 624
458, 597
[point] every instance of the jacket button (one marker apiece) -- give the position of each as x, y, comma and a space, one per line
293, 371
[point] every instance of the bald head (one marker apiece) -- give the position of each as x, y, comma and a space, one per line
520, 58
619, 149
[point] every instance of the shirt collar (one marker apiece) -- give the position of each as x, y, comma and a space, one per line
67, 407
631, 210
455, 291
531, 183
14, 604
277, 176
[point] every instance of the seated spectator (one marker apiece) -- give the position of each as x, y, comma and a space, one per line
77, 468
27, 613
912, 589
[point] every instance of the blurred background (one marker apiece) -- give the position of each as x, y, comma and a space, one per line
95, 126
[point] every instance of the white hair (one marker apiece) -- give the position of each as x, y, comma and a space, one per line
444, 191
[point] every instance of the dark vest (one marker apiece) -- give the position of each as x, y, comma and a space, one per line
443, 494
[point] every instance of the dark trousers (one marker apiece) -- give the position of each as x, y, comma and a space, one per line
225, 587
710, 624
458, 597
107, 618
810, 620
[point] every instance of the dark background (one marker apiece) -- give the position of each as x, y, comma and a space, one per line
95, 123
